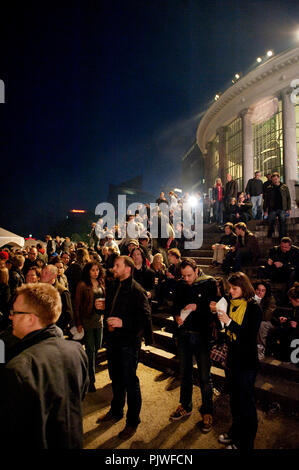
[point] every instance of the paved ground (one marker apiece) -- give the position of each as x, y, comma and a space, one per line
160, 394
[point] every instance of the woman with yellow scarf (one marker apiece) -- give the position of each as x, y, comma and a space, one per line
241, 322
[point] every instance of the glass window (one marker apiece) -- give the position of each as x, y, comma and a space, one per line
268, 145
233, 146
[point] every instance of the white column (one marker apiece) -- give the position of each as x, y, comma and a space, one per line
222, 154
289, 144
247, 146
208, 165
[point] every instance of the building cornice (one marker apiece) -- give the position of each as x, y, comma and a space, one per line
266, 80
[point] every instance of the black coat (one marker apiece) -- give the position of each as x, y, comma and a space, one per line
133, 307
16, 279
41, 392
242, 353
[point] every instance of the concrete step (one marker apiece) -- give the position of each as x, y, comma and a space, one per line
163, 320
164, 339
268, 388
276, 381
206, 261
279, 369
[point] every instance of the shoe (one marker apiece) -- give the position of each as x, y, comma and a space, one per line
231, 446
92, 388
207, 423
179, 413
225, 439
109, 417
127, 432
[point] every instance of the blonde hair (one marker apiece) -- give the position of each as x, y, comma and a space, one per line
158, 257
44, 299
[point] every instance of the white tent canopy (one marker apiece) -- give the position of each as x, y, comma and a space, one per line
9, 238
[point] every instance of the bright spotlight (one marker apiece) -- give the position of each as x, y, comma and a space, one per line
193, 201
217, 97
237, 76
270, 53
259, 59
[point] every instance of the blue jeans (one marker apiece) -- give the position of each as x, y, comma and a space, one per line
257, 206
122, 366
189, 345
242, 404
218, 212
93, 342
281, 214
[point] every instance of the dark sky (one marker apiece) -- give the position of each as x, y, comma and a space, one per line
98, 92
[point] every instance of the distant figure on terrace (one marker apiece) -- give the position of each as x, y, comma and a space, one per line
277, 204
254, 189
218, 200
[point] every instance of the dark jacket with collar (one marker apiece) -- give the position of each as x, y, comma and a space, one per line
133, 308
242, 352
201, 293
290, 257
269, 201
231, 190
16, 279
41, 391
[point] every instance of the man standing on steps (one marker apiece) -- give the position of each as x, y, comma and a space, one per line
128, 320
193, 317
254, 189
277, 203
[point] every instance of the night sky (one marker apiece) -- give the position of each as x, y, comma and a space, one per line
98, 92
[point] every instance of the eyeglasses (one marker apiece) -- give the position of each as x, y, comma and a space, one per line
15, 312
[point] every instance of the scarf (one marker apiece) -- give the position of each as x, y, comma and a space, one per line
236, 313
219, 187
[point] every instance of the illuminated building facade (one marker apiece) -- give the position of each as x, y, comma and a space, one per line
254, 125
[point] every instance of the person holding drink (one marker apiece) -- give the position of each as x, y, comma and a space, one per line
89, 313
240, 322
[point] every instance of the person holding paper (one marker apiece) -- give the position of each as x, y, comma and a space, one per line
241, 322
193, 317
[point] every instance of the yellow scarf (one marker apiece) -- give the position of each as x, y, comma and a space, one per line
236, 313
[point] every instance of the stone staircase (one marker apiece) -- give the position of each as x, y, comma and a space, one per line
276, 381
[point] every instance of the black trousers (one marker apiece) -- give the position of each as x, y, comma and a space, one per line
122, 366
242, 404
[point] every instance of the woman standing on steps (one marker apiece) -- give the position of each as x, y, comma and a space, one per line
89, 312
241, 322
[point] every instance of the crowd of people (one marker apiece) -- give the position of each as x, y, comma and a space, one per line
269, 200
59, 296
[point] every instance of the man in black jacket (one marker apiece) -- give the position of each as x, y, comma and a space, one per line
254, 189
277, 204
127, 318
193, 317
283, 262
45, 378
